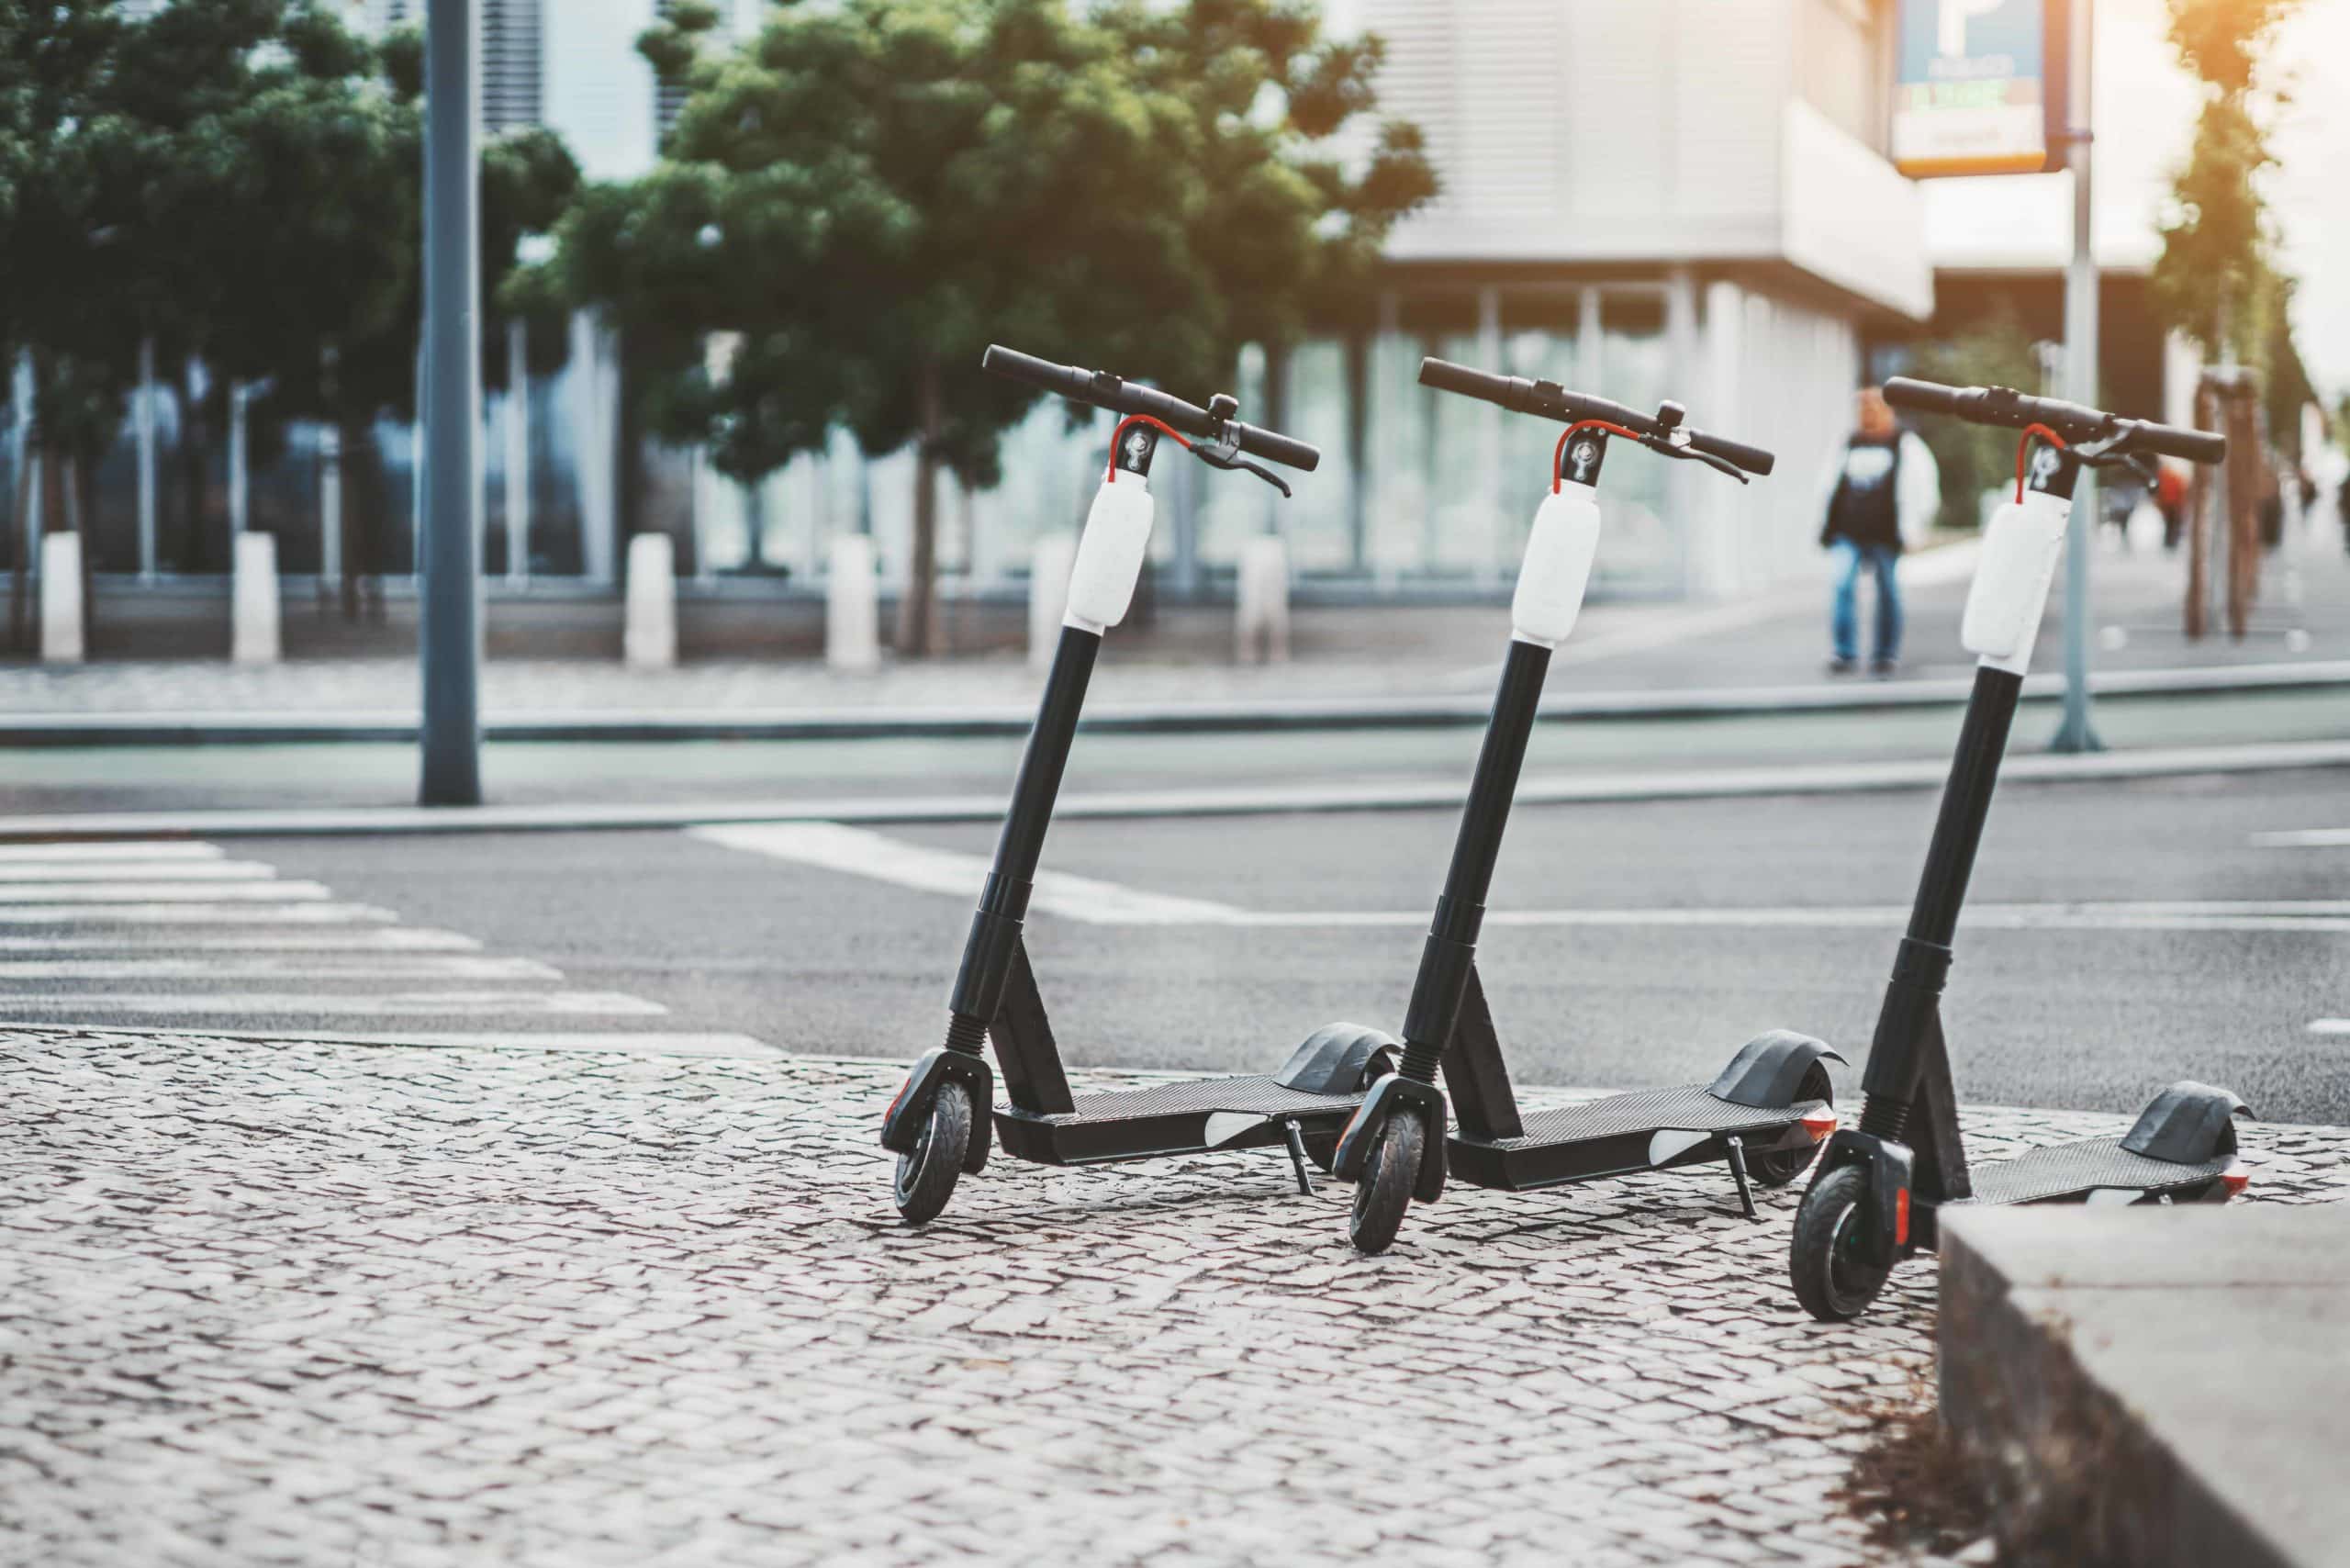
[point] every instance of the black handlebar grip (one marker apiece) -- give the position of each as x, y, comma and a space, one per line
1928, 396
1014, 365
1273, 446
1754, 459
2194, 446
1446, 376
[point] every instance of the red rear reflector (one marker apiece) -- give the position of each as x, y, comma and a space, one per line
2236, 1178
1901, 1218
1820, 1123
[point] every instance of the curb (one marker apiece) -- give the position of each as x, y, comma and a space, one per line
1369, 795
1235, 717
2161, 1386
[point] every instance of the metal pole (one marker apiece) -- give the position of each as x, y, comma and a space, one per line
450, 550
2077, 733
518, 452
146, 460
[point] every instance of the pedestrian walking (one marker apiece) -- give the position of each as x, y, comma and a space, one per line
1879, 493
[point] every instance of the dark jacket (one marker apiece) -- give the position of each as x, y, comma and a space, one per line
1865, 504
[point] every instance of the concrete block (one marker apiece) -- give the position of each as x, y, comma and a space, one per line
852, 606
1260, 601
2156, 1385
252, 600
61, 618
1048, 570
649, 630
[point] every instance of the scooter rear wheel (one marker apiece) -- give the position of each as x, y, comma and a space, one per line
1776, 1167
1389, 1174
1834, 1283
926, 1172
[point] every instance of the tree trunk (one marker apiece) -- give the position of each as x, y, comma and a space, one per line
918, 611
2197, 506
20, 562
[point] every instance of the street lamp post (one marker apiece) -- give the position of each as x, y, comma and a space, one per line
2076, 732
450, 642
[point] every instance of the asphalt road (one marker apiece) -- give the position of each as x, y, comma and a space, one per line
2075, 1011
101, 778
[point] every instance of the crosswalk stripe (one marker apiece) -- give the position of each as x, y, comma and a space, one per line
426, 965
2304, 838
164, 892
74, 872
650, 1042
485, 1003
159, 849
165, 913
326, 939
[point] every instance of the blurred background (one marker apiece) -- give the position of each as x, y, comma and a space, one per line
213, 300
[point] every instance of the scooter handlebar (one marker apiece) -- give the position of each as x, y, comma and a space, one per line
1103, 390
2074, 421
1552, 401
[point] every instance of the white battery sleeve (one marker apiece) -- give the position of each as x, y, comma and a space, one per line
2021, 546
1110, 554
1557, 566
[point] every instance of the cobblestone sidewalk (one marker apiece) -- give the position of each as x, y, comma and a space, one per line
327, 1304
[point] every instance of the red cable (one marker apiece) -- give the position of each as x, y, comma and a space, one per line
1120, 434
1560, 451
2024, 445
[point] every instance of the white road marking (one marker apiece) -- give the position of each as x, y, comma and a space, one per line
487, 1003
864, 852
161, 913
163, 892
71, 854
861, 852
388, 966
365, 939
2330, 1025
142, 870
2304, 838
649, 1043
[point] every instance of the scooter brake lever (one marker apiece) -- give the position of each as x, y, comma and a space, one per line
1226, 456
1671, 449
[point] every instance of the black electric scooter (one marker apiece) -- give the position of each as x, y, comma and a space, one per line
936, 1126
1880, 1185
1765, 1113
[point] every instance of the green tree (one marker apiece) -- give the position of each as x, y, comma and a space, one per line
2215, 280
869, 192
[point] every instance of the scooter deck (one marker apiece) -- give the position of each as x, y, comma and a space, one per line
1649, 1129
2076, 1173
1195, 1117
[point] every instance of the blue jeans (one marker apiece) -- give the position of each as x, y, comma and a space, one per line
1844, 621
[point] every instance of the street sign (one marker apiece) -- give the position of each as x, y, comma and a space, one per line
1979, 87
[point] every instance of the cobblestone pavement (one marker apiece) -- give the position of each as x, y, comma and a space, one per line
322, 1304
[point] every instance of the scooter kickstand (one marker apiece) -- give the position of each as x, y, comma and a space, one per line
1737, 1170
1296, 1141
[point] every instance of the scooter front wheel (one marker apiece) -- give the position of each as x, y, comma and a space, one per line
1389, 1174
926, 1172
1832, 1280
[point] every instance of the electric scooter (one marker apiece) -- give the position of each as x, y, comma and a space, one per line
1766, 1112
1875, 1199
937, 1125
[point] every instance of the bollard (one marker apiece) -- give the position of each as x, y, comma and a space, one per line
1260, 601
649, 632
1048, 569
60, 599
252, 600
852, 606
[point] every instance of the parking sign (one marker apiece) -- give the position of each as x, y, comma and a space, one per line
1979, 87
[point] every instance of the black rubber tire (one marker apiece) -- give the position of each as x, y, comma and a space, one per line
926, 1172
1776, 1167
1833, 1282
1322, 1148
1389, 1173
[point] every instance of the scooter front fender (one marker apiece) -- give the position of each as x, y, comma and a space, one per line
901, 1124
